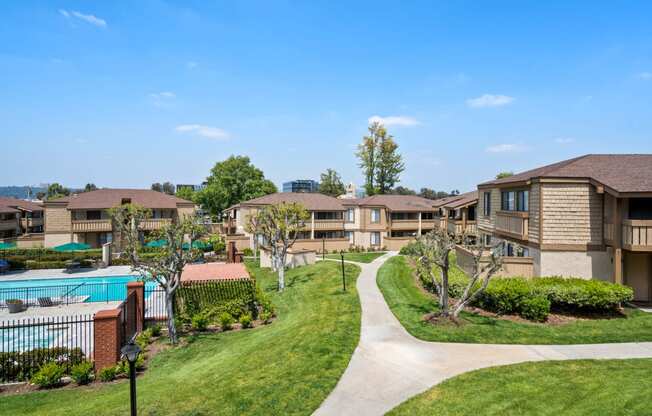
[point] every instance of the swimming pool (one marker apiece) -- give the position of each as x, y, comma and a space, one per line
74, 289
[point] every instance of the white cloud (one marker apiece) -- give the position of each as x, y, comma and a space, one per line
88, 18
565, 140
489, 100
405, 121
209, 132
645, 76
163, 95
191, 64
505, 148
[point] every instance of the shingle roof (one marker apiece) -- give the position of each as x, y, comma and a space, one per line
622, 173
311, 201
19, 203
438, 203
398, 202
108, 198
468, 198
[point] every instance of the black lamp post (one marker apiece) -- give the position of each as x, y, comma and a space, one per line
130, 352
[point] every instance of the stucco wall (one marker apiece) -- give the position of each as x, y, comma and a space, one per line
584, 264
53, 240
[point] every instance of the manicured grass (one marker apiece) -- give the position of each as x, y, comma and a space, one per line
358, 257
586, 387
288, 367
409, 303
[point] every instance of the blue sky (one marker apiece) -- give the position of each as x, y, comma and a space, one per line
128, 93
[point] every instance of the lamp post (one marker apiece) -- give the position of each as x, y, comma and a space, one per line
343, 274
130, 352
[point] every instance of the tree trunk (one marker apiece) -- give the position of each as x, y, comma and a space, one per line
169, 305
444, 292
281, 277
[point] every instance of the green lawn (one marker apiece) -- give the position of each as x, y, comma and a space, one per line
569, 388
288, 367
409, 303
358, 257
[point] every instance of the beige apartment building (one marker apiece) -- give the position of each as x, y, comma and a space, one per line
457, 214
21, 222
84, 217
587, 217
379, 221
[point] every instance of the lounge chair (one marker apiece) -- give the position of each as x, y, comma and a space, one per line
72, 265
46, 302
4, 266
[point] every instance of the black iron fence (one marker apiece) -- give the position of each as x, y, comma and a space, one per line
27, 344
64, 294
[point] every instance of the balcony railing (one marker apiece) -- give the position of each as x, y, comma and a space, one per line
154, 223
31, 222
328, 224
91, 226
405, 224
456, 227
512, 224
637, 235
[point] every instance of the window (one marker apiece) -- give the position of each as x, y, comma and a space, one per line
375, 215
427, 216
350, 215
515, 201
414, 216
404, 233
375, 238
93, 215
486, 196
486, 240
349, 235
470, 213
328, 215
319, 235
640, 209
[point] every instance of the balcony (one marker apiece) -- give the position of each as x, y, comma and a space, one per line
513, 224
151, 224
30, 222
456, 227
405, 224
637, 235
8, 224
328, 224
91, 226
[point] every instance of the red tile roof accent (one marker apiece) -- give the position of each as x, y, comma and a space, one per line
214, 271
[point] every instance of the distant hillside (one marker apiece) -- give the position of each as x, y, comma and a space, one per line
20, 192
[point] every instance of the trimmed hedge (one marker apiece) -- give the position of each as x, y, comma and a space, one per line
42, 258
212, 298
21, 366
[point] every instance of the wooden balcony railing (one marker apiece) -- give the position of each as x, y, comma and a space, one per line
31, 222
328, 224
154, 223
405, 224
429, 224
512, 224
456, 227
637, 235
609, 232
91, 226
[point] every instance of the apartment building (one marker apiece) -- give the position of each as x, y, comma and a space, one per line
84, 217
389, 221
21, 222
587, 217
457, 214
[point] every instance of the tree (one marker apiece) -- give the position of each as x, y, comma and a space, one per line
502, 175
279, 226
168, 188
380, 161
186, 193
432, 194
402, 190
454, 192
233, 181
165, 265
56, 190
157, 187
90, 187
331, 184
432, 253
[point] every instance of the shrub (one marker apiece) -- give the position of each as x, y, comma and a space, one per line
265, 316
20, 366
49, 375
155, 330
505, 295
246, 321
143, 339
107, 374
82, 373
226, 321
199, 322
535, 308
248, 252
573, 293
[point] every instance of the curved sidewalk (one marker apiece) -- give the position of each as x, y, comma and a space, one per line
389, 365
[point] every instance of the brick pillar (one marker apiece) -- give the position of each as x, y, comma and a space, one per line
106, 338
139, 288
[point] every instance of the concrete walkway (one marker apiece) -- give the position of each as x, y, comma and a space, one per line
389, 365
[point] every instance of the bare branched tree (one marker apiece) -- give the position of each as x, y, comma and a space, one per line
166, 265
279, 226
432, 253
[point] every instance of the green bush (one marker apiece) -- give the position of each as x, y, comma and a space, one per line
82, 373
20, 366
215, 297
49, 375
505, 295
143, 339
246, 321
573, 293
535, 308
265, 316
155, 330
248, 252
226, 321
199, 322
107, 374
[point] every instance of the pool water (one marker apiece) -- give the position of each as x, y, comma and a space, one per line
90, 289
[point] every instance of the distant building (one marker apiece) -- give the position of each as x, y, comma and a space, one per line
353, 192
301, 185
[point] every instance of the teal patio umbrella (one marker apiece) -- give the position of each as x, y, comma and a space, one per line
72, 247
157, 243
197, 244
